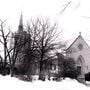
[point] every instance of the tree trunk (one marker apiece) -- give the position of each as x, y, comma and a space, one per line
5, 58
11, 71
40, 72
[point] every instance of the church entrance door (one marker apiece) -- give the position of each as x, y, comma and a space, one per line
80, 65
79, 69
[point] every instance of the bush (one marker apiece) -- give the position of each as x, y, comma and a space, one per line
87, 77
7, 70
25, 77
20, 70
69, 69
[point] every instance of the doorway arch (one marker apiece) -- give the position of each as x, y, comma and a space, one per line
81, 65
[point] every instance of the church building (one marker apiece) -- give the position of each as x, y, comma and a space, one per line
79, 50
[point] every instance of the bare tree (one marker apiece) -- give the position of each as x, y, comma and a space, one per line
4, 39
5, 35
11, 53
43, 37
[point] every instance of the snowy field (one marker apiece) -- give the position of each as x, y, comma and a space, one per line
11, 83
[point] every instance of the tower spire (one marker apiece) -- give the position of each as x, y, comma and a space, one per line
20, 27
79, 33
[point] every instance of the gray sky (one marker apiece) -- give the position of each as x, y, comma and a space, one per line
72, 16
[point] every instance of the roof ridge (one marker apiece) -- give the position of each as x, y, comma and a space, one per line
74, 41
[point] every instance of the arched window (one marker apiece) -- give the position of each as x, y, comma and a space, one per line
79, 62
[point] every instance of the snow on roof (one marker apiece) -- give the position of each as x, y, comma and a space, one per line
69, 42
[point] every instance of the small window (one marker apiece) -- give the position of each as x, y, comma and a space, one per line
80, 46
53, 67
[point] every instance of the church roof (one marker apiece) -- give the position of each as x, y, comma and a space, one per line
70, 42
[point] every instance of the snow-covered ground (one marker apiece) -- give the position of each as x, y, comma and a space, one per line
11, 83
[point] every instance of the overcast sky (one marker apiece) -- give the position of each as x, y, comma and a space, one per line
73, 16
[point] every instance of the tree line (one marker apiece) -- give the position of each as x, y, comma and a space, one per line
32, 51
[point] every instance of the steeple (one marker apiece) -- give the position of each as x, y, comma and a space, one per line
20, 27
80, 33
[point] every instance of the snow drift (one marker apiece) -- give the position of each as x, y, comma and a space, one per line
11, 83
